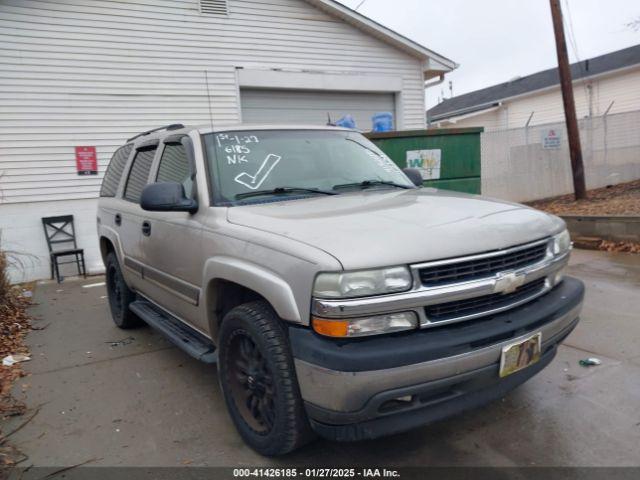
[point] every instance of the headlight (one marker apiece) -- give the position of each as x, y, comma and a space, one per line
361, 327
362, 283
561, 243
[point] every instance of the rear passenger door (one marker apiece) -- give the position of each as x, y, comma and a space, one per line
109, 207
172, 251
132, 217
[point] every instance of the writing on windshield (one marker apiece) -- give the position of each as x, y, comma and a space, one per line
259, 160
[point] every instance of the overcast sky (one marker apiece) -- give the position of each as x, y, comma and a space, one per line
496, 40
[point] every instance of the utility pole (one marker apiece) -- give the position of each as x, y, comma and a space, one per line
575, 151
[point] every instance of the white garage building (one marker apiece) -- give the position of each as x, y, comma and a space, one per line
76, 73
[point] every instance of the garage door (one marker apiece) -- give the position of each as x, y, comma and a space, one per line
311, 107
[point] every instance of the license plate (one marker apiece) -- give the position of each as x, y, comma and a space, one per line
517, 356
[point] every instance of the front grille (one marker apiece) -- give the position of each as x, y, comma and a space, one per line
480, 305
483, 267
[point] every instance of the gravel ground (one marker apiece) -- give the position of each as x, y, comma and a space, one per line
622, 199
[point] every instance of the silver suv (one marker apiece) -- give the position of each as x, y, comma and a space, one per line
336, 295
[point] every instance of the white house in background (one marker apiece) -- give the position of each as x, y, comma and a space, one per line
91, 74
606, 84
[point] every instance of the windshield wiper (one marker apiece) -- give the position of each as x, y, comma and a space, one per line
281, 190
372, 183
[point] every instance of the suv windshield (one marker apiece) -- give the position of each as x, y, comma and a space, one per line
266, 164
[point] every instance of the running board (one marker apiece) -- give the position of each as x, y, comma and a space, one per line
176, 331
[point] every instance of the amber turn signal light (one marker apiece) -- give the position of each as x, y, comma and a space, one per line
330, 328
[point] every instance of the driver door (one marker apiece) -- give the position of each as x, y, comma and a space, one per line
172, 247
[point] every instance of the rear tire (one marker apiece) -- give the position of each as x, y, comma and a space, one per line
258, 379
120, 296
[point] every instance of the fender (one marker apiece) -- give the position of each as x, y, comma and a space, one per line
111, 235
261, 280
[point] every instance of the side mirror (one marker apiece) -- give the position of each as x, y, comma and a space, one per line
414, 175
167, 197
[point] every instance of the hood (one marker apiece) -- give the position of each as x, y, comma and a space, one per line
375, 228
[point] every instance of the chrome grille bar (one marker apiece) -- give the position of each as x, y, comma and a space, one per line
421, 297
464, 270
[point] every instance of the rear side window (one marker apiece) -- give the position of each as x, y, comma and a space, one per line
139, 174
174, 167
113, 174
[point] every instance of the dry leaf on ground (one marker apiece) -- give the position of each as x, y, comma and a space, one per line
621, 199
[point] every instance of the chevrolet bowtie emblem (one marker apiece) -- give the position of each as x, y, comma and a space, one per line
508, 283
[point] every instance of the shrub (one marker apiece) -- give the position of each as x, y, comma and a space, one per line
5, 286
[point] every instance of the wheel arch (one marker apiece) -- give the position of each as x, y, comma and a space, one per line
110, 242
106, 247
230, 282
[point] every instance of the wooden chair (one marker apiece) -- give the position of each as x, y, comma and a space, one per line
60, 230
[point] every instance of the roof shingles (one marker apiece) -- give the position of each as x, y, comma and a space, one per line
487, 97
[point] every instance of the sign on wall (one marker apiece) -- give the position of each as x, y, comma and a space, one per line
427, 161
550, 139
86, 161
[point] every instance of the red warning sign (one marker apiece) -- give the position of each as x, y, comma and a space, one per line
86, 161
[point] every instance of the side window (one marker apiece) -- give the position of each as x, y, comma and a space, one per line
174, 167
139, 174
113, 174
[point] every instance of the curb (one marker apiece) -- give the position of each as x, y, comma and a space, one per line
588, 228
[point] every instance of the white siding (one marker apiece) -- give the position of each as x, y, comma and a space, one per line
491, 120
546, 107
76, 73
93, 73
622, 88
23, 235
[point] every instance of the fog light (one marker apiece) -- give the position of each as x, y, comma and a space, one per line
558, 276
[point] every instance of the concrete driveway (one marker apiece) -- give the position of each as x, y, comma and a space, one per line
141, 402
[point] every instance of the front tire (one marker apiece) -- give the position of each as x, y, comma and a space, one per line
120, 296
258, 380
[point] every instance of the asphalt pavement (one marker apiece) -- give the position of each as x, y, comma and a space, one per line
129, 398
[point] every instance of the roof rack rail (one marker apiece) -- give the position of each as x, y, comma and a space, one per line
173, 126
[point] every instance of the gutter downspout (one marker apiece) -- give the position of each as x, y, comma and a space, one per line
430, 84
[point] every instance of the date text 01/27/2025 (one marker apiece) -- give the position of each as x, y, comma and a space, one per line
315, 473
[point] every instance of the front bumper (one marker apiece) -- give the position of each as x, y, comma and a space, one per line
350, 387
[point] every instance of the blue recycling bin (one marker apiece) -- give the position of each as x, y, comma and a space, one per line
382, 122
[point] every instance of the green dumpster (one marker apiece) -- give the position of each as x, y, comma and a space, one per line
448, 158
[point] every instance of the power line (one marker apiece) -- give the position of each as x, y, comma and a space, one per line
574, 45
359, 5
572, 37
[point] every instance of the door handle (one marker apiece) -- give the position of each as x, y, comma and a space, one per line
146, 228
118, 219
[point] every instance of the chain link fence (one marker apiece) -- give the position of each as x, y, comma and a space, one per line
532, 163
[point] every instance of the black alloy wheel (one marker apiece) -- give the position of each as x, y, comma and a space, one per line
258, 379
251, 383
120, 295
